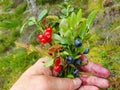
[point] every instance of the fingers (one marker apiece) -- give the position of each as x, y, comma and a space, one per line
94, 81
95, 69
88, 88
64, 83
39, 69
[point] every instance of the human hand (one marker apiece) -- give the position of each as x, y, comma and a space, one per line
38, 77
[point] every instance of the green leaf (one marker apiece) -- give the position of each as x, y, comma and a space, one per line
72, 65
32, 19
56, 36
71, 9
53, 17
64, 11
68, 34
64, 41
91, 18
83, 29
70, 76
23, 26
73, 20
62, 16
76, 57
30, 23
64, 54
63, 26
79, 16
42, 15
49, 63
81, 49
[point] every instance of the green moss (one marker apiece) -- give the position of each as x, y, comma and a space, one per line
14, 64
95, 4
20, 9
6, 4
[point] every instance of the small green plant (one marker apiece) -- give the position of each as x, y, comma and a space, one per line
38, 23
67, 9
103, 54
65, 42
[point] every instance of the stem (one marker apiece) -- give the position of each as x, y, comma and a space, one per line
40, 28
68, 10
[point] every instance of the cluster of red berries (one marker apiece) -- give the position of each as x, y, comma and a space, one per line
46, 37
57, 67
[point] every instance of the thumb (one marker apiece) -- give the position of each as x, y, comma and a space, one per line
65, 83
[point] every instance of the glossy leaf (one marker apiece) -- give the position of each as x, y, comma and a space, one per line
63, 26
32, 19
91, 18
63, 41
71, 9
70, 76
49, 63
64, 11
31, 23
73, 20
56, 36
79, 16
42, 15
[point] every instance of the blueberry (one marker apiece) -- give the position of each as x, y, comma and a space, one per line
70, 59
78, 62
78, 43
86, 51
76, 73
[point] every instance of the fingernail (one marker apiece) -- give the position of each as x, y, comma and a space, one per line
77, 82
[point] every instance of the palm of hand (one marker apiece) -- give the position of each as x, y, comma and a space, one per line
38, 77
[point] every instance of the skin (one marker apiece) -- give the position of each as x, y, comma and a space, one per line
38, 77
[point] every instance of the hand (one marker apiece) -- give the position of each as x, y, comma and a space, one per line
38, 77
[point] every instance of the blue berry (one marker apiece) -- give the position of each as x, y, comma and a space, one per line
86, 51
69, 59
78, 62
76, 73
78, 43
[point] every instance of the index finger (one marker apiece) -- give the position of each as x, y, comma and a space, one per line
96, 69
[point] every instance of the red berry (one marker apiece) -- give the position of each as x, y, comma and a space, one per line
49, 40
49, 29
43, 41
40, 36
57, 61
47, 35
57, 68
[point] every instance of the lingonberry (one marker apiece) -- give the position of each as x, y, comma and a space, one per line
49, 40
43, 41
86, 51
57, 61
49, 29
40, 36
78, 43
76, 73
57, 68
78, 62
47, 35
69, 59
